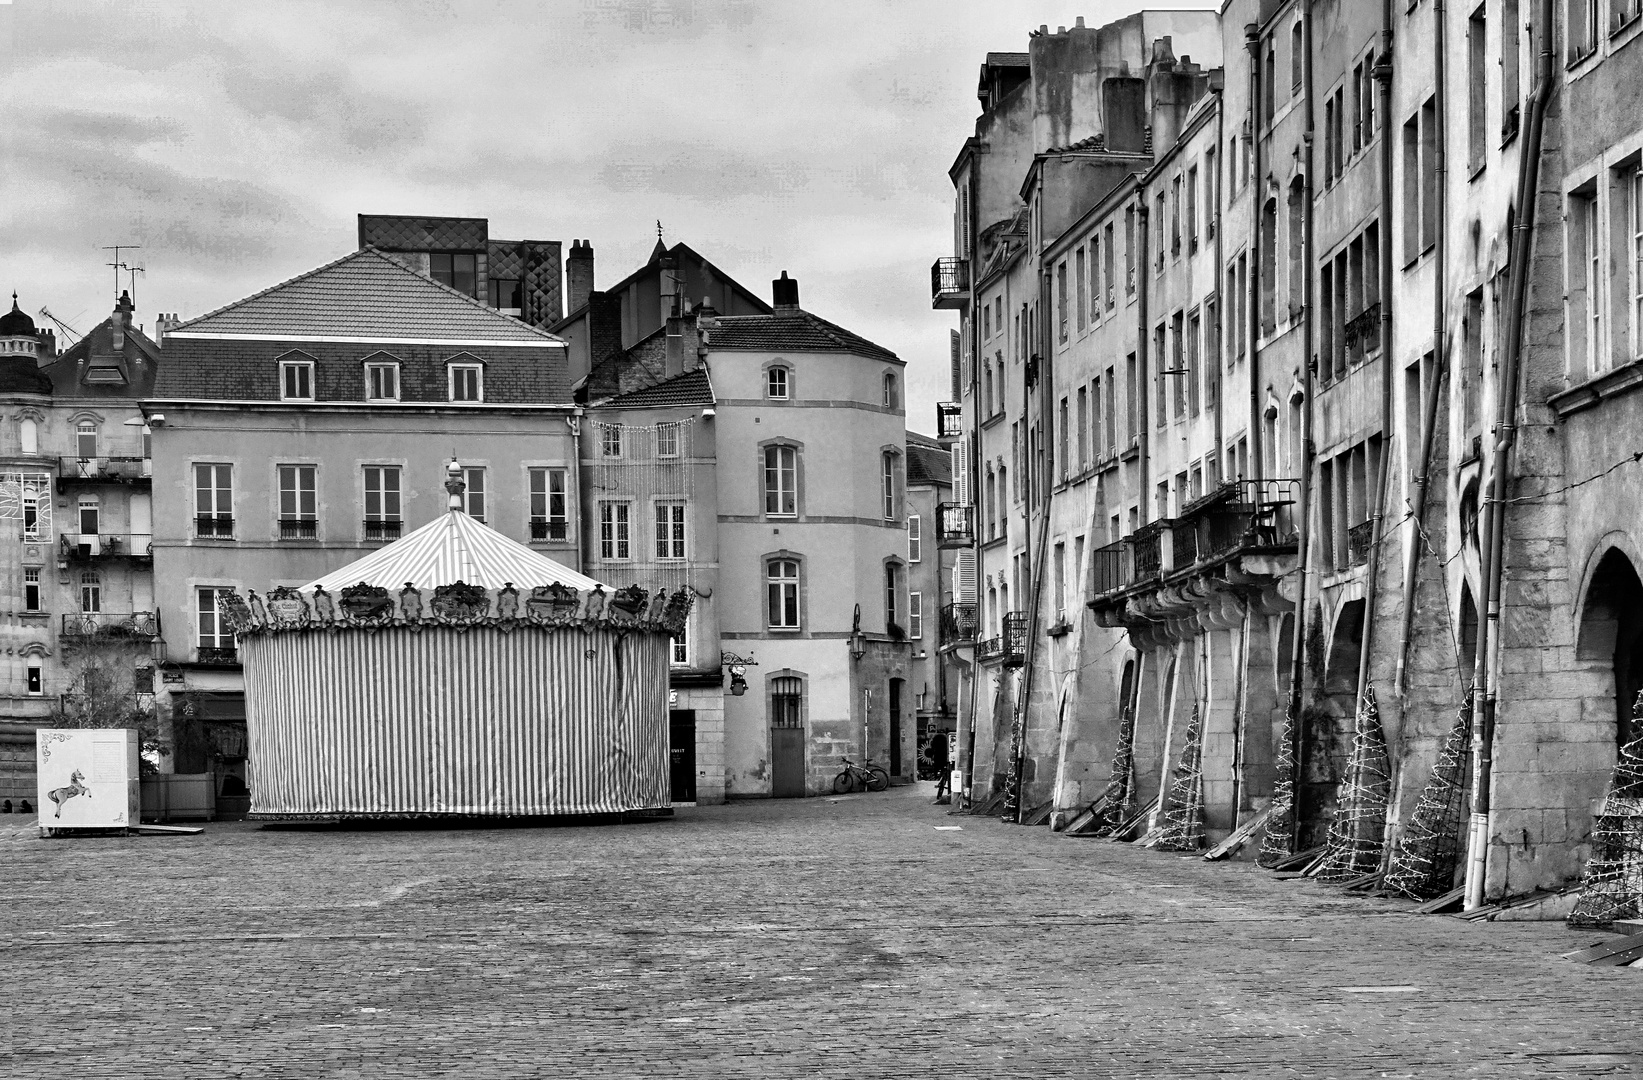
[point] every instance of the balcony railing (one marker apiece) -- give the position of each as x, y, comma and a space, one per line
110, 625
1183, 541
949, 283
1359, 539
382, 529
1364, 329
958, 624
1147, 546
989, 649
214, 527
1015, 638
105, 470
1110, 569
543, 529
217, 655
949, 420
955, 525
90, 547
298, 528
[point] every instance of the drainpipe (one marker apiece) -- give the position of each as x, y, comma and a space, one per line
1144, 386
1506, 397
1252, 302
1213, 202
1297, 661
1383, 479
1046, 474
972, 463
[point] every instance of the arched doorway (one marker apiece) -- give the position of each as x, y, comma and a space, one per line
1327, 726
1611, 636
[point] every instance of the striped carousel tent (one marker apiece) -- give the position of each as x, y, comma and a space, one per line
455, 672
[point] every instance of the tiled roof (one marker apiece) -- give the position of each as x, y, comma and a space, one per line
365, 294
691, 388
1007, 59
790, 331
927, 464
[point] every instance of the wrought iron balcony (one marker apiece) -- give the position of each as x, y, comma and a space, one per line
1184, 546
949, 283
1364, 329
104, 470
214, 527
217, 655
958, 624
1110, 569
989, 649
382, 528
92, 547
1015, 638
955, 525
299, 528
544, 529
110, 625
949, 420
1359, 539
1147, 559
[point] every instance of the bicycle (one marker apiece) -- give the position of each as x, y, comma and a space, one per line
855, 777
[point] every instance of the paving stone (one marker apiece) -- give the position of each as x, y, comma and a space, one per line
839, 937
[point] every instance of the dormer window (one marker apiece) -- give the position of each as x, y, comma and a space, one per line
296, 380
467, 382
382, 382
776, 383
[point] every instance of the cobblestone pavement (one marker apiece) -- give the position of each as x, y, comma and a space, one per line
861, 937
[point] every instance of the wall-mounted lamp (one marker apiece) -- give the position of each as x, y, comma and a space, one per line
858, 640
738, 666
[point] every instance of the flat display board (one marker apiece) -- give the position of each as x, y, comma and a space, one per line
88, 778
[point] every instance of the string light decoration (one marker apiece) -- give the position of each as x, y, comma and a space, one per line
1115, 802
1424, 860
1012, 778
1184, 818
1613, 888
1357, 834
1278, 842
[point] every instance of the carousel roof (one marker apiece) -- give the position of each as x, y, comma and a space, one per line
452, 548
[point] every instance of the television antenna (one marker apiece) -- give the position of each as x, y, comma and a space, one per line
117, 264
63, 328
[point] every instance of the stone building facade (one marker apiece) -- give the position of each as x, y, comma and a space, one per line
1298, 377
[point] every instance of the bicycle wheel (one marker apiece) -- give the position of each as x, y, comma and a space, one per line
877, 779
843, 783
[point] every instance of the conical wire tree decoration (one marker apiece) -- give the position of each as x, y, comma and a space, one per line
1613, 888
1423, 863
1184, 814
1012, 778
1278, 842
1114, 805
1357, 835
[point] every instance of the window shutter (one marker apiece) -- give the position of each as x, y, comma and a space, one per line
964, 577
961, 471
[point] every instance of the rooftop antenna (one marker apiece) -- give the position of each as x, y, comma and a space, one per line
131, 274
117, 264
64, 328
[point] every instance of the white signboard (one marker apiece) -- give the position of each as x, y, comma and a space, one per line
88, 778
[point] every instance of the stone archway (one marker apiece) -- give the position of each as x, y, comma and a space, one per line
1327, 726
1609, 642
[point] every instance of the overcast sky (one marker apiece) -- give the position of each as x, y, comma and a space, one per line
236, 142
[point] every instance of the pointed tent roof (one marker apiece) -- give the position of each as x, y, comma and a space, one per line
453, 547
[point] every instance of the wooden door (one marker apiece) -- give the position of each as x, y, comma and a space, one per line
787, 739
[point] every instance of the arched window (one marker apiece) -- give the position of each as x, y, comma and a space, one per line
776, 384
786, 701
29, 432
782, 589
892, 400
85, 439
888, 482
91, 592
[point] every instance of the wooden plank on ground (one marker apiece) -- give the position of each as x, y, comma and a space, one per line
168, 830
1298, 860
1439, 904
1238, 836
1128, 825
1615, 952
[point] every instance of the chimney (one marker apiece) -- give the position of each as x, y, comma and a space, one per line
120, 322
163, 324
784, 293
578, 275
48, 343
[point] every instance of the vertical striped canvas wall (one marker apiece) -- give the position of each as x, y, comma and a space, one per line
480, 721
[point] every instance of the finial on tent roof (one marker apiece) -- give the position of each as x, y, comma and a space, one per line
454, 484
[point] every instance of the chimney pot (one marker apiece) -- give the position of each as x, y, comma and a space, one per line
578, 274
784, 292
